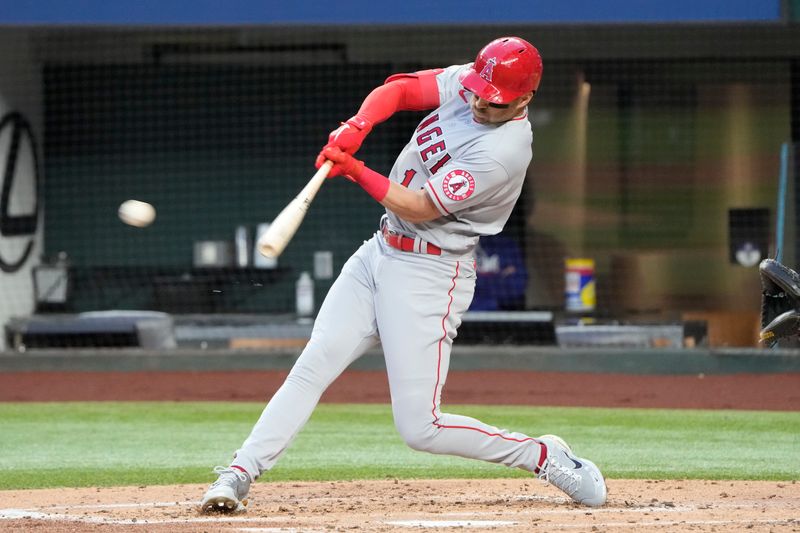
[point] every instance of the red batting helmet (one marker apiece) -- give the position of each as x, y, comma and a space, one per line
505, 69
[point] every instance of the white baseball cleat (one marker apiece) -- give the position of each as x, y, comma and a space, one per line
579, 478
228, 494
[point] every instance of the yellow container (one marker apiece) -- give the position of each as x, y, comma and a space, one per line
579, 284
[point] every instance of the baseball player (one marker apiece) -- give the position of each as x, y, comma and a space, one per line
407, 287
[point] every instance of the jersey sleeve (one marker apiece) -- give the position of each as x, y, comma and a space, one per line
448, 83
460, 185
420, 90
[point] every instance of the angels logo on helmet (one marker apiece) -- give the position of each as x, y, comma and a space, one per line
458, 185
486, 72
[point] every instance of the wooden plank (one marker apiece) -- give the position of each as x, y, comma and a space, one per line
261, 343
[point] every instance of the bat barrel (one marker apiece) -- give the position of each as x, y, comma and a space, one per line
285, 225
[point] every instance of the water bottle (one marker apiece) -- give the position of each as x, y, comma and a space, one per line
304, 295
242, 241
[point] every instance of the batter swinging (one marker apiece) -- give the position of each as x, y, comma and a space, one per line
458, 178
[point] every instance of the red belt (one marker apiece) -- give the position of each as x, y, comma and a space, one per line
406, 244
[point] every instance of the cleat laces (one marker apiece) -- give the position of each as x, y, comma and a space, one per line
225, 479
561, 476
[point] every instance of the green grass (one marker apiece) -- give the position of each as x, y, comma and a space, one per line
106, 444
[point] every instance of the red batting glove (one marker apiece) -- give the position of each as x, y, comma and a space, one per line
347, 137
351, 168
350, 134
344, 164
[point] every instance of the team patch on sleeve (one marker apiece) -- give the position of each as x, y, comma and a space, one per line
458, 185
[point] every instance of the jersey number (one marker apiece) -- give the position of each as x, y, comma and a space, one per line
409, 175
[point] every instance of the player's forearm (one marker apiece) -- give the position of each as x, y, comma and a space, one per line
381, 103
411, 206
404, 94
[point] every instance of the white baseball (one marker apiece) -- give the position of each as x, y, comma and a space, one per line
137, 213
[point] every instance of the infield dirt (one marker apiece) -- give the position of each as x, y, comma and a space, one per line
418, 505
404, 505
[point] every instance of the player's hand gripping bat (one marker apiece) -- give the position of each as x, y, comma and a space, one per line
283, 228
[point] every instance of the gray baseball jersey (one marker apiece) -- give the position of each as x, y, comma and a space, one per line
473, 172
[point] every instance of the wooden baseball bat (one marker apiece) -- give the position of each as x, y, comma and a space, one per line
283, 228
